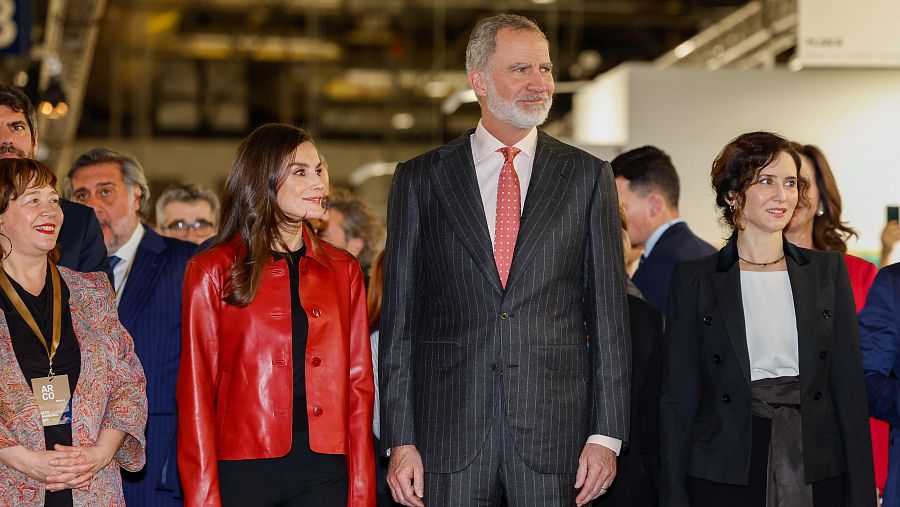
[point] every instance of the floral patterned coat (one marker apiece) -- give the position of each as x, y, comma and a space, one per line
111, 393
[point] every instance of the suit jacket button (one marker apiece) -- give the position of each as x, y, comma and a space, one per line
316, 361
823, 354
817, 396
493, 366
504, 316
316, 312
726, 398
707, 321
317, 411
826, 314
717, 359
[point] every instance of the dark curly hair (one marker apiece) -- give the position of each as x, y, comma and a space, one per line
737, 166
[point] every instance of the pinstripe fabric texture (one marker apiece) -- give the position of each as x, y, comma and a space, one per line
451, 334
150, 309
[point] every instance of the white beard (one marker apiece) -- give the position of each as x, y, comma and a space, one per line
508, 112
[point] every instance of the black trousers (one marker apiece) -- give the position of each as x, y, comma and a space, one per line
301, 478
703, 493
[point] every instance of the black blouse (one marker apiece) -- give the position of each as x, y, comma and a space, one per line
32, 356
299, 334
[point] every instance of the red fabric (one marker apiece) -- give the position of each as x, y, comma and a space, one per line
235, 383
862, 274
509, 206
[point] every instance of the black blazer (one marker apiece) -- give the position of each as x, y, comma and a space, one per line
676, 244
637, 469
81, 239
705, 411
451, 335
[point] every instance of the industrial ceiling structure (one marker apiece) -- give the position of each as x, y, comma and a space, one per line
367, 70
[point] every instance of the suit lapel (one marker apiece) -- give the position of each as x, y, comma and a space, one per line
727, 285
546, 194
457, 189
142, 277
804, 281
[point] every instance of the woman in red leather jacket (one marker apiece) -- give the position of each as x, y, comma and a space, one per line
275, 389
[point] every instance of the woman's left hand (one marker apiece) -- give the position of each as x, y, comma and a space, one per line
77, 472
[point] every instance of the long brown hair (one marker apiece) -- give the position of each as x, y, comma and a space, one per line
829, 232
375, 292
17, 175
250, 209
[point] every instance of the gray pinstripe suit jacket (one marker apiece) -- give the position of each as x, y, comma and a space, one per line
451, 335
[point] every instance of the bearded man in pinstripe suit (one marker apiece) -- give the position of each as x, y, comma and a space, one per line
504, 353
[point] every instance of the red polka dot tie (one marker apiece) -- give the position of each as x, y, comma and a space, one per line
508, 209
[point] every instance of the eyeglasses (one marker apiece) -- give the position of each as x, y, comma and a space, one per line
182, 228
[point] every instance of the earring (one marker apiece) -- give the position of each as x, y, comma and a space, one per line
3, 258
731, 207
821, 211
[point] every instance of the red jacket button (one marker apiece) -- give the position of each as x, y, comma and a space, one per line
316, 312
317, 410
316, 361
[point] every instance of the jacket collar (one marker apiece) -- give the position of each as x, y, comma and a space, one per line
728, 255
314, 249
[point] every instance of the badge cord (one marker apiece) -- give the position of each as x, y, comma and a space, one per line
29, 318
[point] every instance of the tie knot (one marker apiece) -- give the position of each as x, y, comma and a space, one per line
509, 153
113, 260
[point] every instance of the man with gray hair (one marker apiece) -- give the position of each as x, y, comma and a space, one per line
189, 212
147, 274
505, 351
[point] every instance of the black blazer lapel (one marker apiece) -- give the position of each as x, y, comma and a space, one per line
550, 175
727, 285
141, 278
457, 190
808, 311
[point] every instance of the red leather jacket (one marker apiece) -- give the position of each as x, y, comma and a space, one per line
235, 384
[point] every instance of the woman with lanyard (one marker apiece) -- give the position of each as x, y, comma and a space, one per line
763, 399
275, 387
72, 392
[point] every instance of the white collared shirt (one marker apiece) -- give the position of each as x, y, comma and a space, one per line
651, 241
126, 252
488, 162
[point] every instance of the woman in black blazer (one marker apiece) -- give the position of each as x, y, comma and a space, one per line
763, 398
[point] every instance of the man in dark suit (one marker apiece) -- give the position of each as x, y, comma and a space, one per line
147, 275
503, 254
80, 239
648, 189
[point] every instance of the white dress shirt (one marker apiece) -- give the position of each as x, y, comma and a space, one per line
488, 163
771, 324
126, 252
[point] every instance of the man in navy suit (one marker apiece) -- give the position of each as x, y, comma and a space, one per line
147, 275
80, 239
648, 189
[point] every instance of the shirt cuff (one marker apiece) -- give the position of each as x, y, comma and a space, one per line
613, 444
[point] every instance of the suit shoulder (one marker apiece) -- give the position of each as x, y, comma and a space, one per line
74, 209
573, 151
431, 157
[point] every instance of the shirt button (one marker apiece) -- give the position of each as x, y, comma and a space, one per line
316, 361
317, 411
316, 312
504, 316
